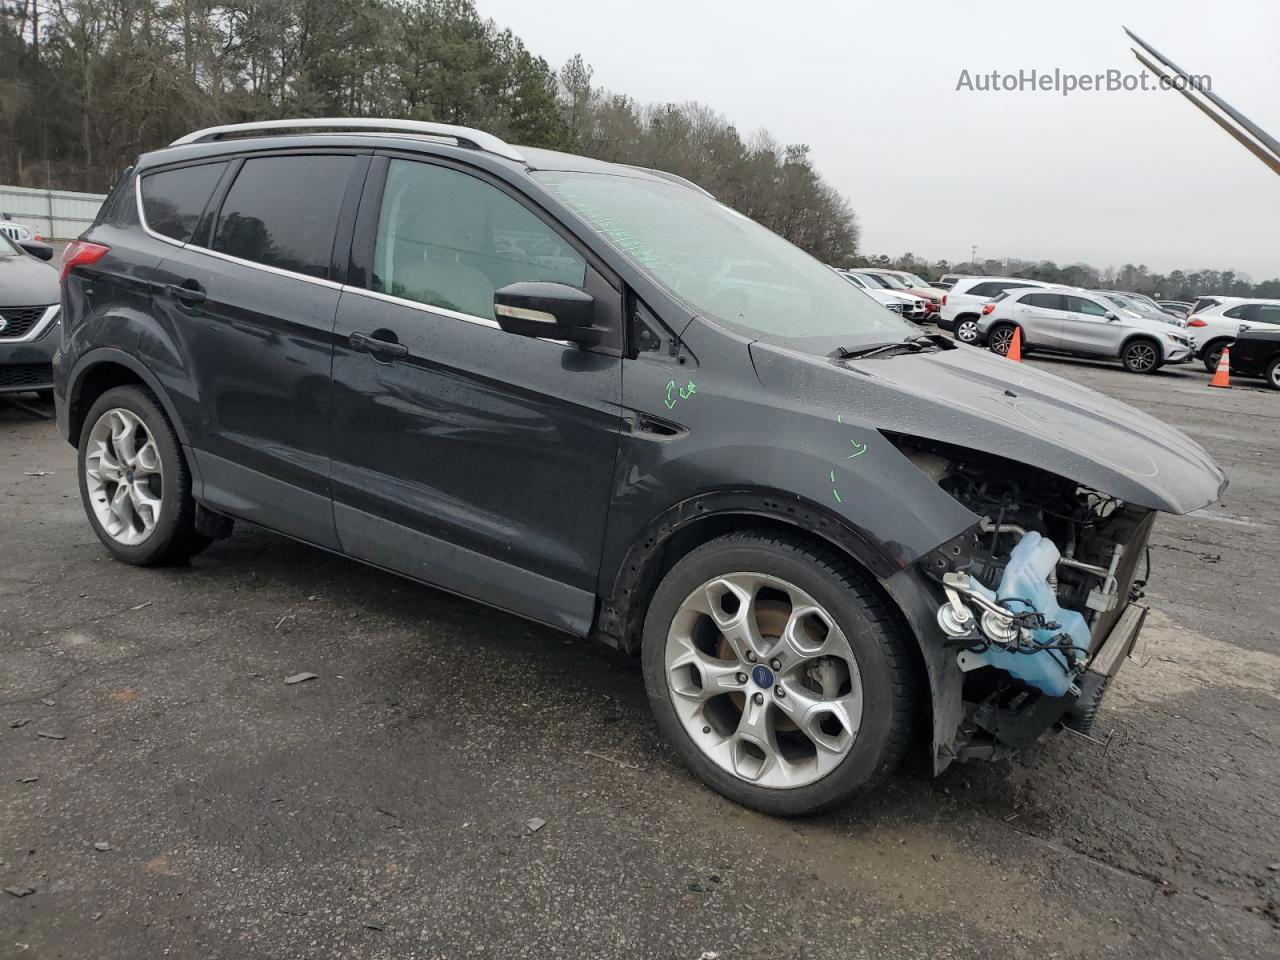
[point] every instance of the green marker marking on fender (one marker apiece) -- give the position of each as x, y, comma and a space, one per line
683, 393
858, 449
837, 495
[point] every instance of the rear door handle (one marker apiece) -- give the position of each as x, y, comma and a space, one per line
378, 346
189, 291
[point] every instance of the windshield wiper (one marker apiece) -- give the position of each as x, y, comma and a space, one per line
914, 345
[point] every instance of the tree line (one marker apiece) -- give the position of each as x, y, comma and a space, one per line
87, 85
1175, 285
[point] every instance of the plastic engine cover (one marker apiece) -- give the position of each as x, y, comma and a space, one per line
1025, 586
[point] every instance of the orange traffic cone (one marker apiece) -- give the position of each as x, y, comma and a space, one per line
1015, 346
1222, 376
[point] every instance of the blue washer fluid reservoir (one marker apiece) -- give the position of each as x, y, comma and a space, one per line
1025, 586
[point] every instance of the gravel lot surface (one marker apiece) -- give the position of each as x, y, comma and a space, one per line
164, 792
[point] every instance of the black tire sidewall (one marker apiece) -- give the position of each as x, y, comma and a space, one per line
867, 636
169, 530
1273, 374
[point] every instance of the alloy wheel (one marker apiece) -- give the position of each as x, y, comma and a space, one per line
1001, 340
967, 331
124, 476
763, 680
1140, 357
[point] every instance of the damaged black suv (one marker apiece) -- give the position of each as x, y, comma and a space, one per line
593, 396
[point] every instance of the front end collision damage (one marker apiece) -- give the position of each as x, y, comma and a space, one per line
1018, 582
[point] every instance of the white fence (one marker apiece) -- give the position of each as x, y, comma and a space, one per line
55, 214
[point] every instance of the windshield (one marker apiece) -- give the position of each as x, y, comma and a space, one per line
893, 281
916, 281
723, 265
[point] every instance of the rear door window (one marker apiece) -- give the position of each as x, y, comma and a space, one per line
1266, 313
283, 212
172, 200
1045, 301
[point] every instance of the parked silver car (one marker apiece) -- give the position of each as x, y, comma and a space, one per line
1079, 323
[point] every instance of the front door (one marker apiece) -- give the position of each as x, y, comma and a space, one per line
464, 456
1086, 329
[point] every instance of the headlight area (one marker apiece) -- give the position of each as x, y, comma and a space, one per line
1038, 599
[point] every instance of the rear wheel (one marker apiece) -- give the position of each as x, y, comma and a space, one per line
1140, 356
967, 330
777, 674
1000, 338
1273, 374
134, 480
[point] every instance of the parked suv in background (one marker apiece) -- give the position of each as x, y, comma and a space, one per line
1082, 324
591, 395
28, 320
1217, 324
962, 306
899, 304
914, 308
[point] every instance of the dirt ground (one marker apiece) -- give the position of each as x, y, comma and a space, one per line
165, 793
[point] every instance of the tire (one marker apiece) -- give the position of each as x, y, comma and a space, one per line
1273, 374
1000, 338
967, 330
1141, 356
858, 655
1212, 354
153, 486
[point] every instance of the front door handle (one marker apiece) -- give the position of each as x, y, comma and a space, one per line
379, 346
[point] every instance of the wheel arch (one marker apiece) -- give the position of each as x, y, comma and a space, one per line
1222, 339
1150, 338
103, 368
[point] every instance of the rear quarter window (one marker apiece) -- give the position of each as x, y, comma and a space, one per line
172, 200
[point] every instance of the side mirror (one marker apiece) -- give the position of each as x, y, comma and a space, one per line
1111, 316
37, 248
536, 308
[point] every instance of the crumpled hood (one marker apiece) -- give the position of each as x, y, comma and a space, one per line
974, 399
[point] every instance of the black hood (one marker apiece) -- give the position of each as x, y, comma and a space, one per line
26, 282
973, 399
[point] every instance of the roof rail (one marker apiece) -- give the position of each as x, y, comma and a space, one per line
465, 136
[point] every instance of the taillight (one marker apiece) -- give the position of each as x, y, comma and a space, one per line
1196, 322
944, 299
80, 252
987, 308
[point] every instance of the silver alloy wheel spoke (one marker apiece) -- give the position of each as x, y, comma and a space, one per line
124, 475
764, 680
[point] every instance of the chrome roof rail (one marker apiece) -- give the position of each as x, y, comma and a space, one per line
465, 136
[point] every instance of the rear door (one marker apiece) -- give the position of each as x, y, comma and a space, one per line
463, 455
251, 300
1040, 315
1086, 329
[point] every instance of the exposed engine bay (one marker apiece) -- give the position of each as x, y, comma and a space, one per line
1039, 594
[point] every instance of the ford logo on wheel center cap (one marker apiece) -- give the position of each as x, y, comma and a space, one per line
762, 676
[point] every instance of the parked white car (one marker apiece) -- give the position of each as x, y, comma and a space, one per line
904, 306
15, 231
1216, 324
962, 306
1080, 323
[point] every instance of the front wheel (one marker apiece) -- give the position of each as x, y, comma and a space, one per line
134, 480
1141, 356
967, 331
1273, 374
777, 674
1212, 356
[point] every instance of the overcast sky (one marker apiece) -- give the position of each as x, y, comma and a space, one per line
1106, 178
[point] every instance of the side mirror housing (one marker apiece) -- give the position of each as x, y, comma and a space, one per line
37, 248
537, 308
1111, 316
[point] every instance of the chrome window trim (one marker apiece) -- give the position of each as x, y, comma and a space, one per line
36, 332
279, 271
423, 307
